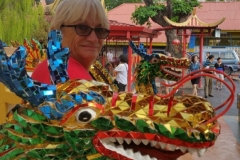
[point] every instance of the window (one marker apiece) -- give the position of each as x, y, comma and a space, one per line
216, 54
227, 55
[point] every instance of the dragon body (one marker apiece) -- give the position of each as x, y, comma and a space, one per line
88, 120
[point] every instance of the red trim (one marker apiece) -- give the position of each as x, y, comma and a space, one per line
137, 135
134, 100
114, 99
151, 106
170, 104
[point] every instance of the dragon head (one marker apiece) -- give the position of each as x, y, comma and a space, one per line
79, 119
156, 65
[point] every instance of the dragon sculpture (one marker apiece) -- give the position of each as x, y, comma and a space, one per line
150, 67
87, 120
36, 54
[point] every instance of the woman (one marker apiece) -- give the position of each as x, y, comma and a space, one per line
220, 67
195, 65
84, 26
121, 73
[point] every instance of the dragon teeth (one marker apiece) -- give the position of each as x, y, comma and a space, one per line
128, 140
172, 147
183, 149
112, 139
153, 143
146, 157
137, 155
201, 151
191, 150
120, 140
144, 141
129, 152
137, 141
109, 144
163, 145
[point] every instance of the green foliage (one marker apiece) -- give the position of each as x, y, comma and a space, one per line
110, 4
182, 8
41, 34
142, 13
19, 19
179, 8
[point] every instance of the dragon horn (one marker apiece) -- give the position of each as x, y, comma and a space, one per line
14, 76
57, 58
141, 51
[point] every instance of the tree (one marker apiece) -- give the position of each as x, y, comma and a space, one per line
41, 34
110, 4
19, 19
176, 10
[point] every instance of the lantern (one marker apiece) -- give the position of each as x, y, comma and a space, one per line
176, 42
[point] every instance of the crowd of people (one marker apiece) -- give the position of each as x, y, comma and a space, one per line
118, 68
208, 81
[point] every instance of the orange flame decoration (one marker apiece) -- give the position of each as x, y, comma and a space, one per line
15, 44
35, 54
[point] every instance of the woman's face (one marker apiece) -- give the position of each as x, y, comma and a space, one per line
195, 59
220, 60
84, 49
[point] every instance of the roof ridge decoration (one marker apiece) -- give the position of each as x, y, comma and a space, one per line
193, 21
112, 22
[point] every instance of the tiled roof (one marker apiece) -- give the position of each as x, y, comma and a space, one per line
210, 12
119, 31
116, 23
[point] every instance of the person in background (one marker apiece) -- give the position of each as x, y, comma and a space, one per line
121, 72
109, 68
110, 56
207, 55
84, 26
208, 80
220, 67
195, 65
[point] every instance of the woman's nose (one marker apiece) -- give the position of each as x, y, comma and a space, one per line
92, 37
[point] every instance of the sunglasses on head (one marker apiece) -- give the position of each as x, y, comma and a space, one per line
85, 30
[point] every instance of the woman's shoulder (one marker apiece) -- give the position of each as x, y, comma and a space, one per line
122, 64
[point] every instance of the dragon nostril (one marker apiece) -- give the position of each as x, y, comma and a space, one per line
85, 116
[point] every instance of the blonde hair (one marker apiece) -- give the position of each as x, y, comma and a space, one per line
77, 11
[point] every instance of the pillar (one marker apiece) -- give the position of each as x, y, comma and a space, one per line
150, 45
129, 64
201, 52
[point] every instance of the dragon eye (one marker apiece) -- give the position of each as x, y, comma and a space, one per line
154, 60
85, 115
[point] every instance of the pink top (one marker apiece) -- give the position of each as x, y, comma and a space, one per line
75, 71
